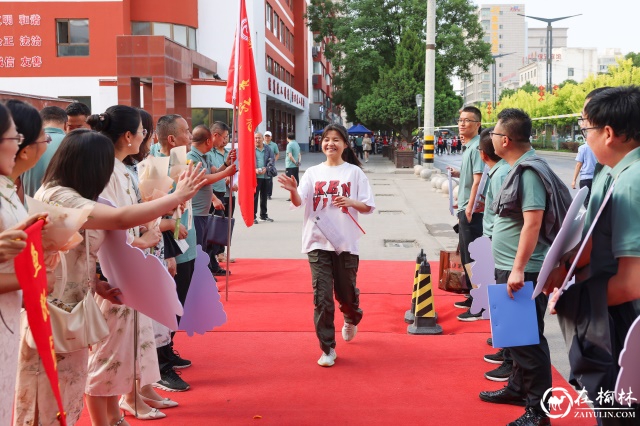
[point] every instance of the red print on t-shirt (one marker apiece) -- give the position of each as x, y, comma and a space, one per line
333, 189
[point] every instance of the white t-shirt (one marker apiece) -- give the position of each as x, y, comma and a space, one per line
318, 186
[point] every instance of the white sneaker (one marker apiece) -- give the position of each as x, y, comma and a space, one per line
328, 360
349, 331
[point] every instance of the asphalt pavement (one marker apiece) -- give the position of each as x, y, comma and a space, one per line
409, 216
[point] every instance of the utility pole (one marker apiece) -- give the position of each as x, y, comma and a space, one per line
549, 44
430, 85
494, 92
419, 104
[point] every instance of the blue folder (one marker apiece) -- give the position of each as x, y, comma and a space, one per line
513, 321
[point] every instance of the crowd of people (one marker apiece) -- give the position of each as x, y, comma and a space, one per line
44, 155
521, 208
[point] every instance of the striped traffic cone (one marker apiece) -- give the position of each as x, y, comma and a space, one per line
425, 313
410, 314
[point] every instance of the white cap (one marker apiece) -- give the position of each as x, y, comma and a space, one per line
267, 133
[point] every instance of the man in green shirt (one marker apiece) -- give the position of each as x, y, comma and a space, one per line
274, 148
470, 173
292, 158
264, 155
54, 121
518, 252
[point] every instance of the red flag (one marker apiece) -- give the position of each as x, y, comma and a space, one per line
32, 275
242, 93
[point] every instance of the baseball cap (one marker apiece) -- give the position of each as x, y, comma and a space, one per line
267, 133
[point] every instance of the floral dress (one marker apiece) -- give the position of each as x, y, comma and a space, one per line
111, 362
11, 212
33, 388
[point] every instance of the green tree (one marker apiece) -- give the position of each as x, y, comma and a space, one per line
391, 103
635, 57
366, 35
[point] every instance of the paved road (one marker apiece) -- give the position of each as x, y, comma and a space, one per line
409, 216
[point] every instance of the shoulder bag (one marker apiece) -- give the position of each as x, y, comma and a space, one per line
76, 327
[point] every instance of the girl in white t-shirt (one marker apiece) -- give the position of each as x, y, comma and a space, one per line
333, 193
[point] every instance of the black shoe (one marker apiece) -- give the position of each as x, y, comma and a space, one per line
468, 316
255, 221
288, 199
497, 358
220, 273
171, 381
268, 198
490, 341
464, 304
176, 361
503, 396
500, 374
265, 219
531, 417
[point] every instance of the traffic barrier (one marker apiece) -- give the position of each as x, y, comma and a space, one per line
425, 312
410, 314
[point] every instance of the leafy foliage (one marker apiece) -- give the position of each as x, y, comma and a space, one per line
367, 36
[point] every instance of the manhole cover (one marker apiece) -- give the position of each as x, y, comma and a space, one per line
390, 212
400, 243
384, 195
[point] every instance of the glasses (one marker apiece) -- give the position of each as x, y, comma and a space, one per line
47, 139
19, 138
492, 134
466, 121
585, 130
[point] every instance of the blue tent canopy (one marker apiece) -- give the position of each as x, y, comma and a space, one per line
359, 129
318, 132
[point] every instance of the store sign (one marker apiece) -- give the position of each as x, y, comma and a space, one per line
24, 26
495, 39
281, 90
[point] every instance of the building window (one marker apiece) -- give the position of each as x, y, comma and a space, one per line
73, 37
282, 32
269, 65
570, 72
276, 19
268, 15
185, 36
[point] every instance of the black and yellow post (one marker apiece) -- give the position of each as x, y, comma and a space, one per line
428, 149
425, 313
409, 315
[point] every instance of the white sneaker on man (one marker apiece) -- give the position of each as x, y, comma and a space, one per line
327, 360
349, 331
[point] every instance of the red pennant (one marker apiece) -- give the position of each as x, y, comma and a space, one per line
32, 275
245, 87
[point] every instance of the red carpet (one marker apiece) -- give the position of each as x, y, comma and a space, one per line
260, 368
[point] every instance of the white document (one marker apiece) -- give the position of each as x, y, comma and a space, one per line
450, 192
568, 237
340, 239
483, 183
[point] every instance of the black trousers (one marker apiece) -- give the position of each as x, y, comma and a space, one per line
587, 183
467, 233
360, 151
293, 171
531, 375
269, 187
261, 193
332, 273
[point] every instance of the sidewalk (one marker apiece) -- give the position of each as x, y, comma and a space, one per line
407, 211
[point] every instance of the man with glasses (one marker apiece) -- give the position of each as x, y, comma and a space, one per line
54, 121
530, 208
470, 173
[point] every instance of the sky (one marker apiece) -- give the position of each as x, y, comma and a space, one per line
603, 24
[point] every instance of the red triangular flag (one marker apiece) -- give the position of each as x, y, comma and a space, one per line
32, 276
242, 90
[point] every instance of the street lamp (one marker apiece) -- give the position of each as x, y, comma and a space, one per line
419, 103
549, 43
493, 75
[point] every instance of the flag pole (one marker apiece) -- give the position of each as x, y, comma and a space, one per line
234, 136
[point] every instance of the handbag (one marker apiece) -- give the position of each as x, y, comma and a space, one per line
452, 276
271, 169
217, 230
77, 327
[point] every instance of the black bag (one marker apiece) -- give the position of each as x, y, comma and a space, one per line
271, 169
217, 230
